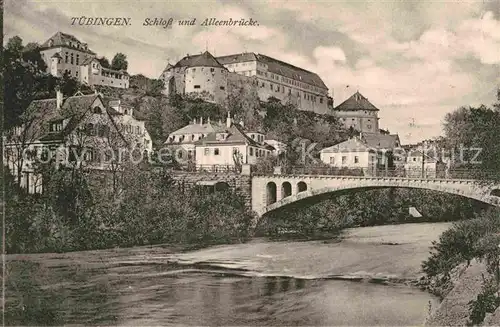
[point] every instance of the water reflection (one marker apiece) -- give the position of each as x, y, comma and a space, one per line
106, 297
139, 286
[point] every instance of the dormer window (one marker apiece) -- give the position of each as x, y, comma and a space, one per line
97, 110
56, 127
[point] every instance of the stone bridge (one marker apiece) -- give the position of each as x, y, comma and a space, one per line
272, 192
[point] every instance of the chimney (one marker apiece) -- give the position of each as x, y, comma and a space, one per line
59, 98
220, 121
228, 119
208, 120
201, 120
242, 124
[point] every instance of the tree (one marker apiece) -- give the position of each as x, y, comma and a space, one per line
104, 62
472, 134
119, 62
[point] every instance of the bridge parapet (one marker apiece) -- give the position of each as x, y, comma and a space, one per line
272, 192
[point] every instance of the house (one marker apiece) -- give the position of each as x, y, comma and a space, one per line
389, 144
181, 142
358, 113
420, 163
230, 147
64, 53
279, 147
85, 131
352, 154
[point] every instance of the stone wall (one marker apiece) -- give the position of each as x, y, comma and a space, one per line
236, 181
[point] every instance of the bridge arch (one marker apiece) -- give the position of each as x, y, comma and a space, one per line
286, 189
271, 194
327, 191
301, 187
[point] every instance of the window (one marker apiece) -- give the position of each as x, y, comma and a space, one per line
137, 130
332, 160
194, 70
320, 100
252, 136
369, 126
222, 88
251, 151
356, 159
207, 151
78, 59
344, 159
216, 151
66, 58
271, 86
72, 59
190, 154
97, 110
196, 86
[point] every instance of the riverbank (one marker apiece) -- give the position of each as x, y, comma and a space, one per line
463, 286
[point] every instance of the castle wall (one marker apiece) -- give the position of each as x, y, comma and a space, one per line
207, 80
363, 121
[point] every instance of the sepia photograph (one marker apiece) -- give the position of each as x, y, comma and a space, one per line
250, 163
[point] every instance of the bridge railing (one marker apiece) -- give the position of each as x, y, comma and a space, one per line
428, 173
215, 168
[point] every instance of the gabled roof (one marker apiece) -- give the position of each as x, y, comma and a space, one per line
351, 145
356, 102
71, 107
277, 67
381, 141
196, 128
202, 60
62, 39
236, 135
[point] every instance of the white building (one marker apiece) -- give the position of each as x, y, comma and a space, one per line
182, 141
425, 165
231, 147
389, 144
351, 154
210, 78
64, 53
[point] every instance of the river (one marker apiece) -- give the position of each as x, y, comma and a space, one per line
358, 281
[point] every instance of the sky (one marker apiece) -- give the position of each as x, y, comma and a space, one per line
415, 60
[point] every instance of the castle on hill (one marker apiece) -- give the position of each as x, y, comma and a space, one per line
211, 78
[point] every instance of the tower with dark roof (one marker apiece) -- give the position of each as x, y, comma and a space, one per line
200, 75
359, 113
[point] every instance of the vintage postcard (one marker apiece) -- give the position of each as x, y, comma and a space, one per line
251, 163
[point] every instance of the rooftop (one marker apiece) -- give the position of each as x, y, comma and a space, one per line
202, 60
382, 141
351, 145
356, 102
63, 39
277, 67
